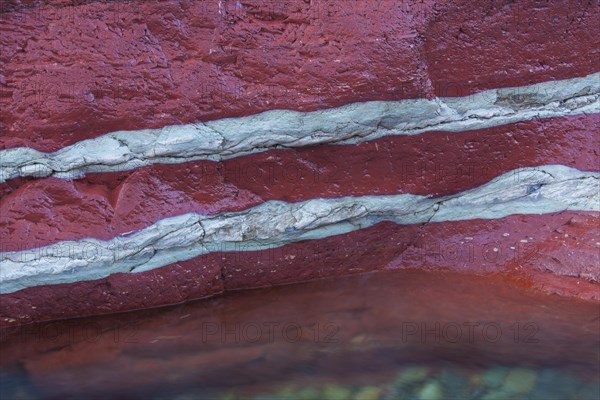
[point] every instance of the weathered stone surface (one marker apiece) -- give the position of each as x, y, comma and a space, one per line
350, 124
79, 70
71, 72
519, 247
437, 163
539, 190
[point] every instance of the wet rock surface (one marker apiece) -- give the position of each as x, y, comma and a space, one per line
78, 70
74, 70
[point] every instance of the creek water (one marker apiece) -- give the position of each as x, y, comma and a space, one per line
387, 335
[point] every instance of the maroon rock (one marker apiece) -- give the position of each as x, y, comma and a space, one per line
104, 205
553, 253
75, 70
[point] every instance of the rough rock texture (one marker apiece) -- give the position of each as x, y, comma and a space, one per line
473, 90
77, 71
522, 247
539, 190
104, 205
350, 124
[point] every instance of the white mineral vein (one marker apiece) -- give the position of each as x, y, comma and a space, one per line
353, 123
538, 190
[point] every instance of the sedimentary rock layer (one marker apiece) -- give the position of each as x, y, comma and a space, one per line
353, 123
76, 70
552, 253
147, 145
105, 205
538, 190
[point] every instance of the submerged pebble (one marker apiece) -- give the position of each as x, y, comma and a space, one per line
520, 380
425, 383
494, 377
432, 390
368, 393
412, 375
334, 392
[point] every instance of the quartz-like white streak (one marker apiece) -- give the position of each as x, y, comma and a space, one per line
537, 190
353, 123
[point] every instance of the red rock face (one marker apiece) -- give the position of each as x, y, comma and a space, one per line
46, 211
77, 70
522, 247
72, 72
494, 44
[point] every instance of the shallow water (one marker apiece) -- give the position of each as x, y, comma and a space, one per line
393, 335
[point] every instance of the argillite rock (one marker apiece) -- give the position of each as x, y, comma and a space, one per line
158, 152
73, 70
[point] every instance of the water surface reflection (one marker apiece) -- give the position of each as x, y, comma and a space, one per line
401, 334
